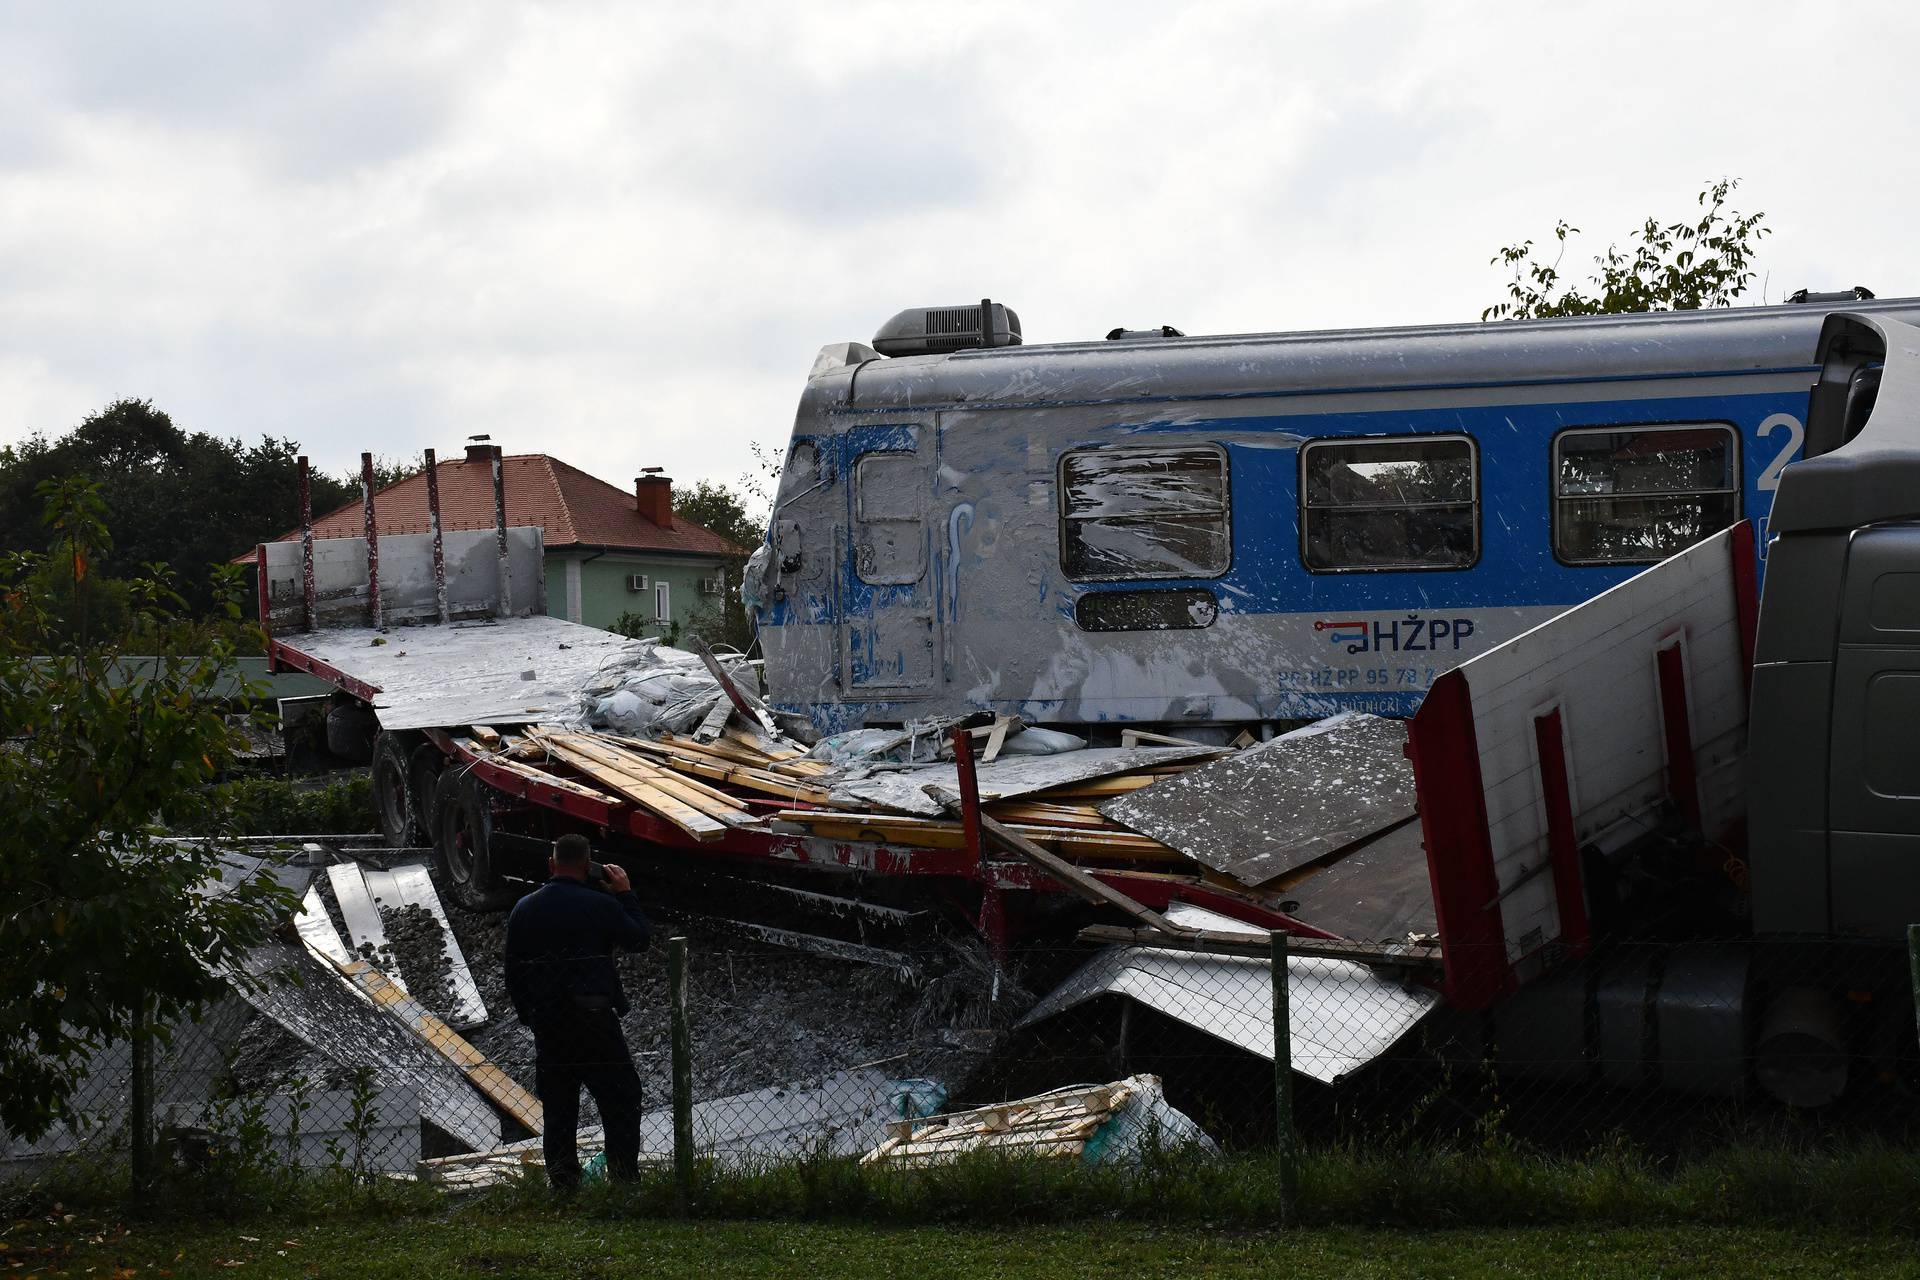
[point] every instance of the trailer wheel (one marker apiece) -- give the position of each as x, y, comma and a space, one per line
463, 840
392, 799
424, 768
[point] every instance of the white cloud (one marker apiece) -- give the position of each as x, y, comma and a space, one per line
619, 232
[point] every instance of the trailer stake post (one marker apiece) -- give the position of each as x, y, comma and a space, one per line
373, 542
505, 609
433, 527
682, 1038
307, 594
1283, 1134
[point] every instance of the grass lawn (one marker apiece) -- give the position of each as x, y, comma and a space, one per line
557, 1245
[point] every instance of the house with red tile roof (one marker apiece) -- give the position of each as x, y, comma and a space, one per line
609, 550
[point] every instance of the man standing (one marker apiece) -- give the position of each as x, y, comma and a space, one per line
563, 984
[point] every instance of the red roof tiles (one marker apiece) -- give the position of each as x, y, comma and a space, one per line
574, 508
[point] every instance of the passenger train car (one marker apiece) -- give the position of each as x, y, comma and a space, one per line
1216, 531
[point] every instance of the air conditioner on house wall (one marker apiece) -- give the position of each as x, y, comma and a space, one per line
714, 586
636, 582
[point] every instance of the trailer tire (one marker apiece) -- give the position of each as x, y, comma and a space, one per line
393, 806
463, 839
352, 730
424, 768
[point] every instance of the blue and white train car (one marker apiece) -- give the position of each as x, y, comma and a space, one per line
1215, 531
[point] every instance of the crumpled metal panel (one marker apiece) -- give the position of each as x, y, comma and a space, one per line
1341, 1015
1265, 811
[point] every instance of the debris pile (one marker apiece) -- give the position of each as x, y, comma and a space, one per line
1096, 1124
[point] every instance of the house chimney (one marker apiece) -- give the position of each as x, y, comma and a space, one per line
480, 453
654, 494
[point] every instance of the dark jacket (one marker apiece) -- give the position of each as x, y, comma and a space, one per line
560, 944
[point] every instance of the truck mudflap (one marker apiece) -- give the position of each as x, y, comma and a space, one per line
1621, 716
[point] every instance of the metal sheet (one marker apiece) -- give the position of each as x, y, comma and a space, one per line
416, 889
903, 789
316, 926
1267, 810
328, 1015
1341, 1015
365, 929
512, 671
1379, 892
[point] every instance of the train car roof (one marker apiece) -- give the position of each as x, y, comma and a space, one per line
1671, 344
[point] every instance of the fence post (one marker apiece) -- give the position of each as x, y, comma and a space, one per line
1913, 959
682, 1067
140, 1101
1284, 1137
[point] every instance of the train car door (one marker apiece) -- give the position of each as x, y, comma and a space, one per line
889, 624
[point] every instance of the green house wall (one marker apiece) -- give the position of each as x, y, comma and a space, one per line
603, 594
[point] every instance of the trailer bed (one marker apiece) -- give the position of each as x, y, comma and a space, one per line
504, 671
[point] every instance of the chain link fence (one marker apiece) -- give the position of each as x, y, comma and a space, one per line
742, 1054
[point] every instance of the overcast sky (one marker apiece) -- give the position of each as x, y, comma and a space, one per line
619, 233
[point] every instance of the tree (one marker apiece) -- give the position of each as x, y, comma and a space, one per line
722, 620
107, 932
187, 500
386, 471
723, 510
1674, 266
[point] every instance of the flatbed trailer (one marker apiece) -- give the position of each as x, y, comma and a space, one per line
454, 659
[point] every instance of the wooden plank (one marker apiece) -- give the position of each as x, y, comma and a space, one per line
721, 770
1062, 870
715, 720
688, 819
1134, 737
553, 780
493, 1083
715, 804
1098, 788
1258, 945
416, 889
754, 742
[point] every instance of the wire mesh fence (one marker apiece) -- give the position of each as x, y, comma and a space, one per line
1085, 1053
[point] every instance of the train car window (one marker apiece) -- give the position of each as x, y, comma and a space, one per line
1162, 609
1144, 513
889, 545
1631, 495
1409, 502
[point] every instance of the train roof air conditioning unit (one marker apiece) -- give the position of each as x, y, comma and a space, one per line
930, 330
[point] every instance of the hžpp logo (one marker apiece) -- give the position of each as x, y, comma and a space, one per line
1411, 634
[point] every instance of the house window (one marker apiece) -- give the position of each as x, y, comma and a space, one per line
1410, 502
1633, 495
1144, 513
662, 603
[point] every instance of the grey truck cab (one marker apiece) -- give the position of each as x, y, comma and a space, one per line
1834, 724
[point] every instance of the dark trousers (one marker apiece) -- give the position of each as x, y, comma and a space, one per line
585, 1048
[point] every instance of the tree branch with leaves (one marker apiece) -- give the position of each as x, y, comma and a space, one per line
1687, 265
110, 932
